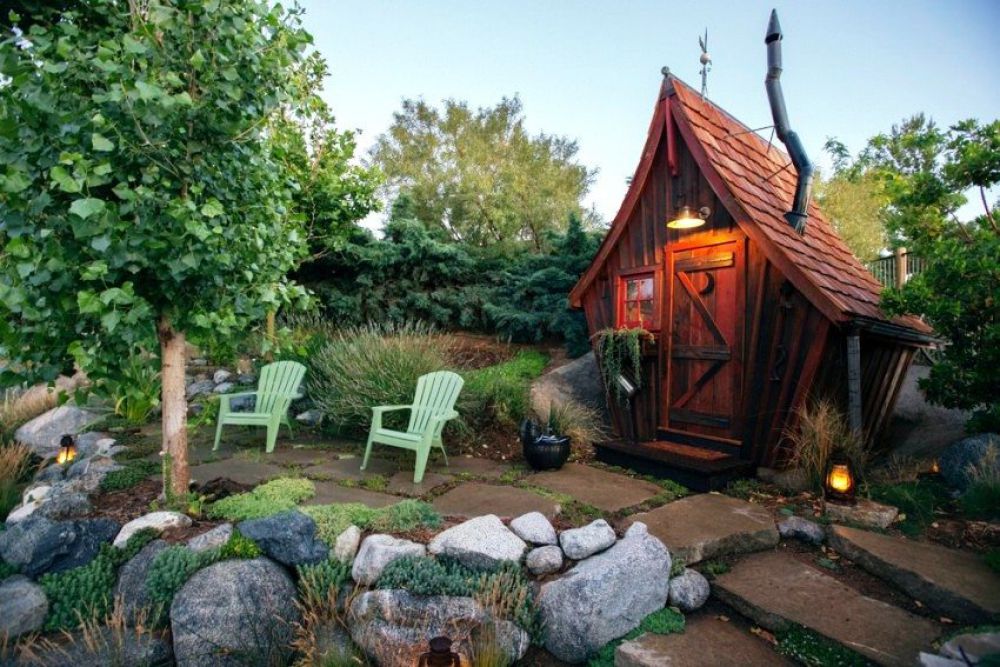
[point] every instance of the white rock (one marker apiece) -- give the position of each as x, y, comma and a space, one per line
106, 447
931, 660
309, 417
544, 560
159, 521
346, 546
39, 492
689, 590
23, 512
480, 542
534, 527
221, 375
224, 388
579, 543
376, 552
211, 539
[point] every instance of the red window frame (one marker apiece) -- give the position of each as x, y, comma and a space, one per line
633, 301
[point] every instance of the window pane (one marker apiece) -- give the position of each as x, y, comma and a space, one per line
632, 312
646, 309
631, 290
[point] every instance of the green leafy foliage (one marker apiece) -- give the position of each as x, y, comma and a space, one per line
169, 571
500, 394
423, 575
133, 473
276, 496
239, 546
664, 622
919, 500
135, 391
318, 582
332, 520
85, 592
814, 650
619, 351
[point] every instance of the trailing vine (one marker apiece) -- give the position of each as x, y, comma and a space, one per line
619, 351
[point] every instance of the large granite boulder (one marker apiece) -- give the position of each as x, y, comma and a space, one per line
689, 590
236, 612
534, 528
393, 626
42, 434
38, 545
23, 607
482, 542
971, 451
288, 537
579, 543
131, 585
605, 596
376, 552
578, 380
158, 521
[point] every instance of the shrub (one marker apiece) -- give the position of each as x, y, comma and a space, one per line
134, 473
981, 499
814, 650
619, 352
169, 571
663, 622
582, 424
86, 592
278, 495
821, 432
500, 394
422, 575
239, 546
332, 520
371, 365
319, 583
136, 392
15, 460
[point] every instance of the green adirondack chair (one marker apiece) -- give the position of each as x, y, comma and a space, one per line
277, 388
433, 405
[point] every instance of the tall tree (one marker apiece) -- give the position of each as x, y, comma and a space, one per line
140, 198
479, 175
855, 203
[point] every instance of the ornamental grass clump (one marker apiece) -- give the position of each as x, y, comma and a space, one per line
375, 364
276, 496
15, 462
822, 431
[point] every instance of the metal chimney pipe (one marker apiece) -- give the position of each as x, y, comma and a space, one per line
799, 213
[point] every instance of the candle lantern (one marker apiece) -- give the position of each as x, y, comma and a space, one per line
67, 450
840, 485
440, 654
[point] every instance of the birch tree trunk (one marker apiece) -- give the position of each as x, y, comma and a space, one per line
174, 408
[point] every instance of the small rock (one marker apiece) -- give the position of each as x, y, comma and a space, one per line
158, 521
221, 375
865, 512
535, 528
131, 585
579, 543
211, 539
246, 378
199, 387
689, 590
288, 537
65, 505
23, 607
802, 529
376, 552
346, 546
544, 560
931, 660
481, 542
224, 388
37, 492
309, 417
972, 645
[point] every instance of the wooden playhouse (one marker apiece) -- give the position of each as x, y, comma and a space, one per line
754, 312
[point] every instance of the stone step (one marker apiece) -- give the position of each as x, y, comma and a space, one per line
709, 525
777, 591
706, 642
954, 583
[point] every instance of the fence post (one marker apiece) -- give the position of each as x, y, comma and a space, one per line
900, 267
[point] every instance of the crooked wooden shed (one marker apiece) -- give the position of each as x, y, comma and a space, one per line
751, 317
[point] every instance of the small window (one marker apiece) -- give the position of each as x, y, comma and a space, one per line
637, 304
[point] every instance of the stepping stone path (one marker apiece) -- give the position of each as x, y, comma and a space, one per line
604, 490
470, 465
250, 473
350, 468
957, 584
299, 457
705, 642
775, 590
330, 492
402, 483
475, 499
707, 525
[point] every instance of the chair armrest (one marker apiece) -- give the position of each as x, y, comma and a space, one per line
379, 409
440, 419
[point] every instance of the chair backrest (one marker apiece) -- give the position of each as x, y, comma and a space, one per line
278, 384
436, 395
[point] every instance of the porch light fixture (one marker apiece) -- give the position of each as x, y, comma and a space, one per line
839, 486
67, 450
685, 218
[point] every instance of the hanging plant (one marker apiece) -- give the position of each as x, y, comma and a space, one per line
619, 351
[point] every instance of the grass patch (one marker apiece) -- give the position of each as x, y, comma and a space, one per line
919, 500
745, 489
332, 520
814, 650
135, 472
278, 495
714, 568
663, 622
499, 395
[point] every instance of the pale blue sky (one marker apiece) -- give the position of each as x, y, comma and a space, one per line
590, 70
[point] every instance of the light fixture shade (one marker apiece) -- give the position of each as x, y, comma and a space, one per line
686, 219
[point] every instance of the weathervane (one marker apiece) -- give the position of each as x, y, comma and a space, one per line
706, 62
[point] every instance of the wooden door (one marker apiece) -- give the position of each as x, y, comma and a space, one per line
704, 369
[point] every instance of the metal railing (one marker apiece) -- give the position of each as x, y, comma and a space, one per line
896, 269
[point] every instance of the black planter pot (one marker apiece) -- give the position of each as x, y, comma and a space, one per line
543, 452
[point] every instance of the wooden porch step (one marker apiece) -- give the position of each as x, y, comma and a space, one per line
697, 467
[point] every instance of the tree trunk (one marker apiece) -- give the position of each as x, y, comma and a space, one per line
271, 335
174, 408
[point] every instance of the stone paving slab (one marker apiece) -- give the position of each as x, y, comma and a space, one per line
604, 490
402, 483
775, 590
705, 642
470, 465
474, 499
300, 457
350, 468
709, 525
954, 583
328, 493
241, 471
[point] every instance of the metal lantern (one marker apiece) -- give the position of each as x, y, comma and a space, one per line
840, 485
67, 450
440, 654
